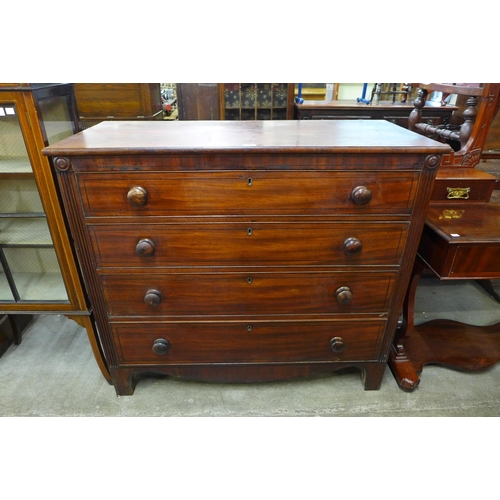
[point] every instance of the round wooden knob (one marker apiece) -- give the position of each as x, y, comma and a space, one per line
343, 295
161, 346
352, 246
137, 196
337, 344
145, 248
153, 298
361, 195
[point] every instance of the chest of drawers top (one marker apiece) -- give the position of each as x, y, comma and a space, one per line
223, 145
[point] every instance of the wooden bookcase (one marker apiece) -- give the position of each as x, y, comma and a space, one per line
117, 101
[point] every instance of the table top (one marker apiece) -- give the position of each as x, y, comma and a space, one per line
476, 223
281, 136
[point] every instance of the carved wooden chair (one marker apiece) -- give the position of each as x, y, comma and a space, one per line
467, 134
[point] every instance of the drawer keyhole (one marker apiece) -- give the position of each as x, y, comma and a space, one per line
249, 231
249, 181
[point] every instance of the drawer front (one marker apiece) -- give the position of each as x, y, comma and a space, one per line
242, 342
476, 261
256, 244
462, 190
248, 193
230, 294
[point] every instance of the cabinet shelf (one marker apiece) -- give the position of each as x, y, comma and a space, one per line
21, 231
32, 286
15, 165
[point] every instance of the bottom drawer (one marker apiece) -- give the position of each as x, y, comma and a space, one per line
239, 342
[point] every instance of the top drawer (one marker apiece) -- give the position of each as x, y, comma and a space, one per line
248, 193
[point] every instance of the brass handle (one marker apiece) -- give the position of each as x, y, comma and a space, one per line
352, 246
458, 193
343, 295
361, 195
153, 298
145, 248
161, 346
337, 344
137, 196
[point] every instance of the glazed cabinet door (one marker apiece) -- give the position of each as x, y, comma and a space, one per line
256, 101
33, 275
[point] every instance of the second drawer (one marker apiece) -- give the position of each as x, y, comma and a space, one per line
256, 244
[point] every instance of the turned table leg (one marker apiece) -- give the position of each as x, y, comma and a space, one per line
488, 287
403, 370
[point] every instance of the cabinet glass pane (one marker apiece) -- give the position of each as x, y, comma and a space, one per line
255, 101
13, 153
56, 118
29, 269
24, 231
248, 95
232, 95
264, 95
36, 274
5, 291
19, 195
280, 95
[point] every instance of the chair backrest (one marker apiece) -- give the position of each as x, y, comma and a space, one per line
472, 120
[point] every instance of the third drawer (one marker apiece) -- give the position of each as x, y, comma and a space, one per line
247, 293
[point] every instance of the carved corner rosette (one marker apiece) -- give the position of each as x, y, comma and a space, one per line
62, 164
432, 161
471, 159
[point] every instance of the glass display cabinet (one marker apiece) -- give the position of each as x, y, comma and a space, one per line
38, 271
256, 101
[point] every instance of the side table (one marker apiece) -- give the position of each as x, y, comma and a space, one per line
459, 241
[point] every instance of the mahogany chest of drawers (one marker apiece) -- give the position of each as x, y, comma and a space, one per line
245, 251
